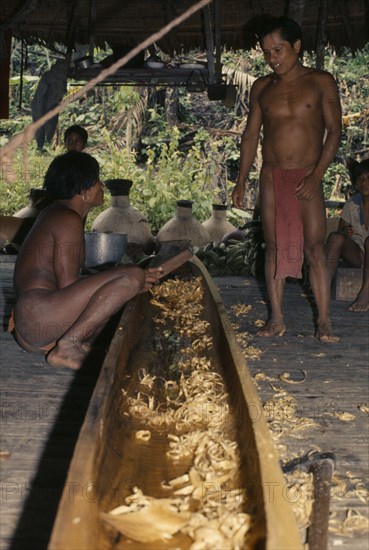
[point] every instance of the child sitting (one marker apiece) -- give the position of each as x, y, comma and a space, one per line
351, 241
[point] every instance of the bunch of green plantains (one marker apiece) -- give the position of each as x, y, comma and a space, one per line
234, 256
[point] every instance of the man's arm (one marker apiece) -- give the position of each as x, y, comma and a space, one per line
332, 116
249, 143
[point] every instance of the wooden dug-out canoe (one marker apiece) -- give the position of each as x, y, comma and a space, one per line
109, 461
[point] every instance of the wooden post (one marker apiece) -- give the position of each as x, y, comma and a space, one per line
296, 10
342, 6
5, 74
218, 41
321, 38
209, 42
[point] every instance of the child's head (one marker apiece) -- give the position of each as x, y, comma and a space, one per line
359, 171
75, 138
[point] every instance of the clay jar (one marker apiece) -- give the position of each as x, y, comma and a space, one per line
218, 225
121, 217
184, 227
31, 210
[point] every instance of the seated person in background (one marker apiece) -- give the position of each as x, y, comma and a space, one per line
56, 310
351, 241
75, 138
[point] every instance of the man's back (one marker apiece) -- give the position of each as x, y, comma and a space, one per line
54, 245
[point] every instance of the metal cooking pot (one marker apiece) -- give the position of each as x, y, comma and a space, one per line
104, 248
84, 62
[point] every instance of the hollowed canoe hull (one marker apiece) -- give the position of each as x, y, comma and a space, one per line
105, 465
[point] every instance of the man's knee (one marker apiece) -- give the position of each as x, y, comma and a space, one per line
315, 252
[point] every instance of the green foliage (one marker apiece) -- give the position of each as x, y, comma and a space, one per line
162, 168
336, 173
172, 177
15, 195
352, 75
250, 61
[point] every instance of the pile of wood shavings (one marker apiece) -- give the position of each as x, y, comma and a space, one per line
241, 309
197, 411
281, 413
354, 522
201, 399
283, 420
243, 340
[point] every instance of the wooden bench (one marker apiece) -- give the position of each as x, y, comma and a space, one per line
347, 282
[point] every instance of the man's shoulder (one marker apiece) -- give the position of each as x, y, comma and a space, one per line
60, 216
319, 75
263, 81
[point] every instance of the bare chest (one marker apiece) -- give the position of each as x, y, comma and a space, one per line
299, 98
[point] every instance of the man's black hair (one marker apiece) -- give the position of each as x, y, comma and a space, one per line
76, 130
69, 174
288, 28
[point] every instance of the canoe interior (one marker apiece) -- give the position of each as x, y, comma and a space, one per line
109, 461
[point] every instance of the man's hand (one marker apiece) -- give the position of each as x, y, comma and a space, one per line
152, 276
238, 196
348, 230
307, 188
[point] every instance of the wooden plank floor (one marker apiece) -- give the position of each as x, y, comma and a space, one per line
42, 408
336, 382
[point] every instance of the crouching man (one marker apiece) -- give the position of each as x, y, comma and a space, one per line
58, 312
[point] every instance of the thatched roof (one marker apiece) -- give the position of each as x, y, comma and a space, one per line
128, 22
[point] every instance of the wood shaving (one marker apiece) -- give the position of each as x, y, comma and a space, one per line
364, 408
286, 377
282, 417
143, 435
148, 520
241, 309
243, 338
145, 378
354, 522
261, 376
344, 416
253, 353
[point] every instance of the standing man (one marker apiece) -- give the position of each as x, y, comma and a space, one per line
299, 110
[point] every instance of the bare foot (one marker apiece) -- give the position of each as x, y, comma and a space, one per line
273, 327
325, 334
361, 303
67, 355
